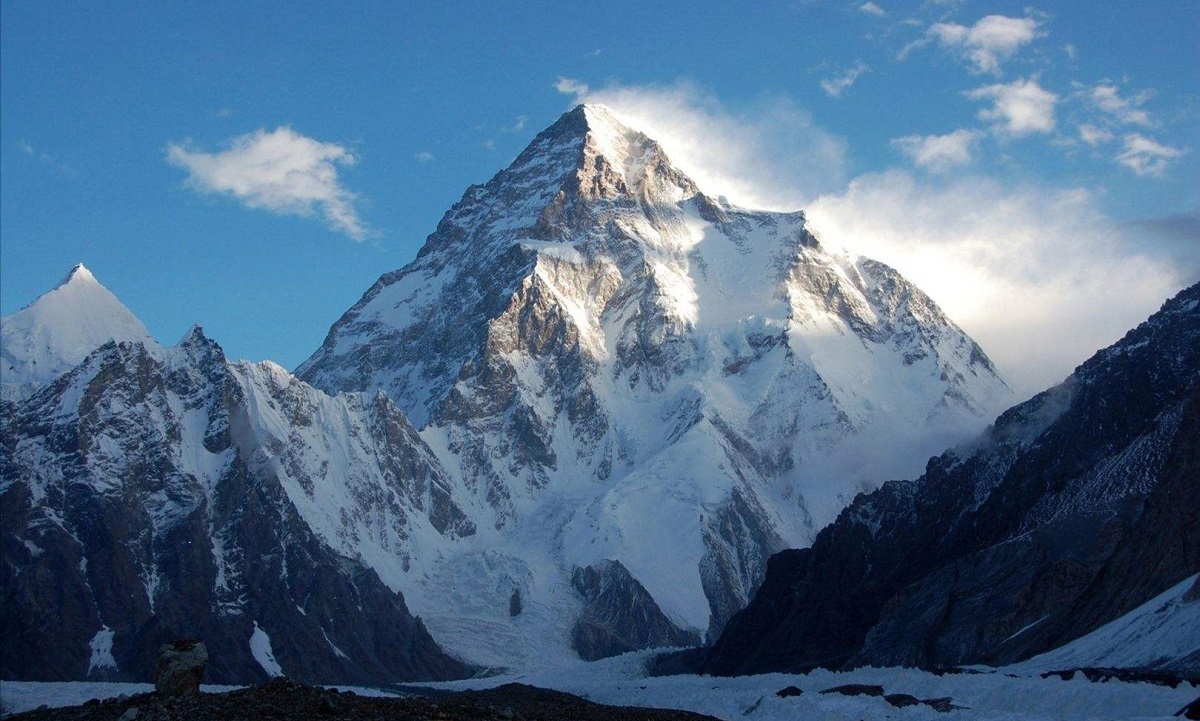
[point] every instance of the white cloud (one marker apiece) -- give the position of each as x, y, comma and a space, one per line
835, 86
1145, 156
1021, 107
1029, 272
871, 8
280, 171
1093, 135
570, 86
769, 154
939, 152
1127, 111
424, 156
988, 42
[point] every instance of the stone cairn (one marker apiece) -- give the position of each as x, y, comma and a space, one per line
180, 666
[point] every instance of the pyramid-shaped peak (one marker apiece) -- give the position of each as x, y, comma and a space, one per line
604, 128
601, 129
59, 329
81, 309
604, 154
78, 274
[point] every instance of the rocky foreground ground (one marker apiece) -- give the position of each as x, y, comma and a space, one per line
288, 701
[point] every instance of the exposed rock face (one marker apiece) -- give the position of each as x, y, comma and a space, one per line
180, 667
619, 615
152, 494
1076, 506
606, 360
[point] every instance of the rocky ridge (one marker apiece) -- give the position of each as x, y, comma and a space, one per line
155, 493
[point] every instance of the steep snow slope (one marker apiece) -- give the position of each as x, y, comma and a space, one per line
1162, 634
613, 365
57, 331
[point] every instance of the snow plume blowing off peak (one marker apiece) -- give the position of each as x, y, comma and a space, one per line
641, 384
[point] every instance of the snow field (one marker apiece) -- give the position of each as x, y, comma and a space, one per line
991, 695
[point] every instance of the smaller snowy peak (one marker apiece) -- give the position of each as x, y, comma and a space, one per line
59, 329
78, 274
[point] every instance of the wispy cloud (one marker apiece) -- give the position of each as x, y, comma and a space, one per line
988, 42
871, 8
279, 171
1029, 271
939, 153
1175, 236
27, 148
769, 154
1093, 135
838, 84
1145, 156
1022, 107
1127, 111
571, 86
424, 156
1111, 115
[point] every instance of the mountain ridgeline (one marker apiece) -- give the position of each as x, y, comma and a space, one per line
1073, 509
144, 501
579, 423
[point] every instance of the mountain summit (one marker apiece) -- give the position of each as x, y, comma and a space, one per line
57, 331
614, 366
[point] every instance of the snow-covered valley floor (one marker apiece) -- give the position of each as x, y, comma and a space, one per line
993, 695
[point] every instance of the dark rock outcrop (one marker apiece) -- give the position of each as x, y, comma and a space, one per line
856, 689
284, 699
619, 615
180, 667
1075, 507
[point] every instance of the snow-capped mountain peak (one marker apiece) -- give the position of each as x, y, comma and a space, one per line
614, 366
78, 274
59, 329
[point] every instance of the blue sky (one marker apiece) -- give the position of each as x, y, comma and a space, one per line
991, 150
